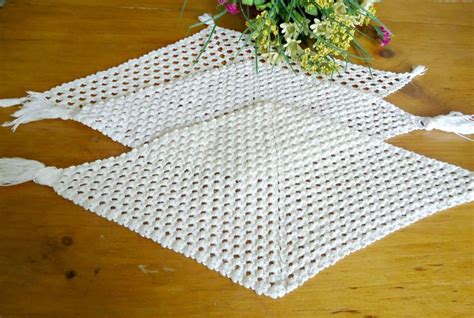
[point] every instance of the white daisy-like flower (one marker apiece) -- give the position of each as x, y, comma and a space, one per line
321, 28
340, 8
292, 47
290, 30
314, 26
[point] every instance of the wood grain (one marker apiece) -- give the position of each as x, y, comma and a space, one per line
57, 260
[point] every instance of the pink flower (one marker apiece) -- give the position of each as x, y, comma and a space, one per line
221, 2
385, 40
232, 8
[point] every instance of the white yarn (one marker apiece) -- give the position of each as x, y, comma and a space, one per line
207, 19
139, 117
37, 107
419, 70
177, 61
267, 195
7, 102
15, 171
455, 122
47, 176
366, 4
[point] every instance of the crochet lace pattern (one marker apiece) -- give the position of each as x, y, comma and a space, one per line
267, 195
142, 116
177, 61
267, 177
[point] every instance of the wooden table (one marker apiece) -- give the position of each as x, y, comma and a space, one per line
57, 260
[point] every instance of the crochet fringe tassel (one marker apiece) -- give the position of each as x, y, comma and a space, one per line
455, 122
34, 107
418, 70
207, 19
15, 171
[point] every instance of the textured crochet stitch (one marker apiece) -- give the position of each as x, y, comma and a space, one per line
142, 116
266, 177
266, 195
177, 61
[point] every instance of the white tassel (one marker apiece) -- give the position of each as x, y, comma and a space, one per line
37, 107
419, 70
7, 102
454, 122
17, 170
207, 19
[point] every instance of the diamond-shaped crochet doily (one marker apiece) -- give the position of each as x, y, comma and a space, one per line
178, 60
142, 116
268, 195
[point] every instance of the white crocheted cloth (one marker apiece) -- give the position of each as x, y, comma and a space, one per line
265, 177
178, 61
142, 116
267, 195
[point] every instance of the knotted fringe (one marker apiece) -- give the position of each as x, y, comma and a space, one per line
418, 70
454, 122
35, 107
7, 102
17, 170
207, 19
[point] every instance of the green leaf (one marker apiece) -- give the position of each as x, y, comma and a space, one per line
263, 6
378, 31
185, 2
213, 30
245, 13
247, 2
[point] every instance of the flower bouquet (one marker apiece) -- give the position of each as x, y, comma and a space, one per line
311, 33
